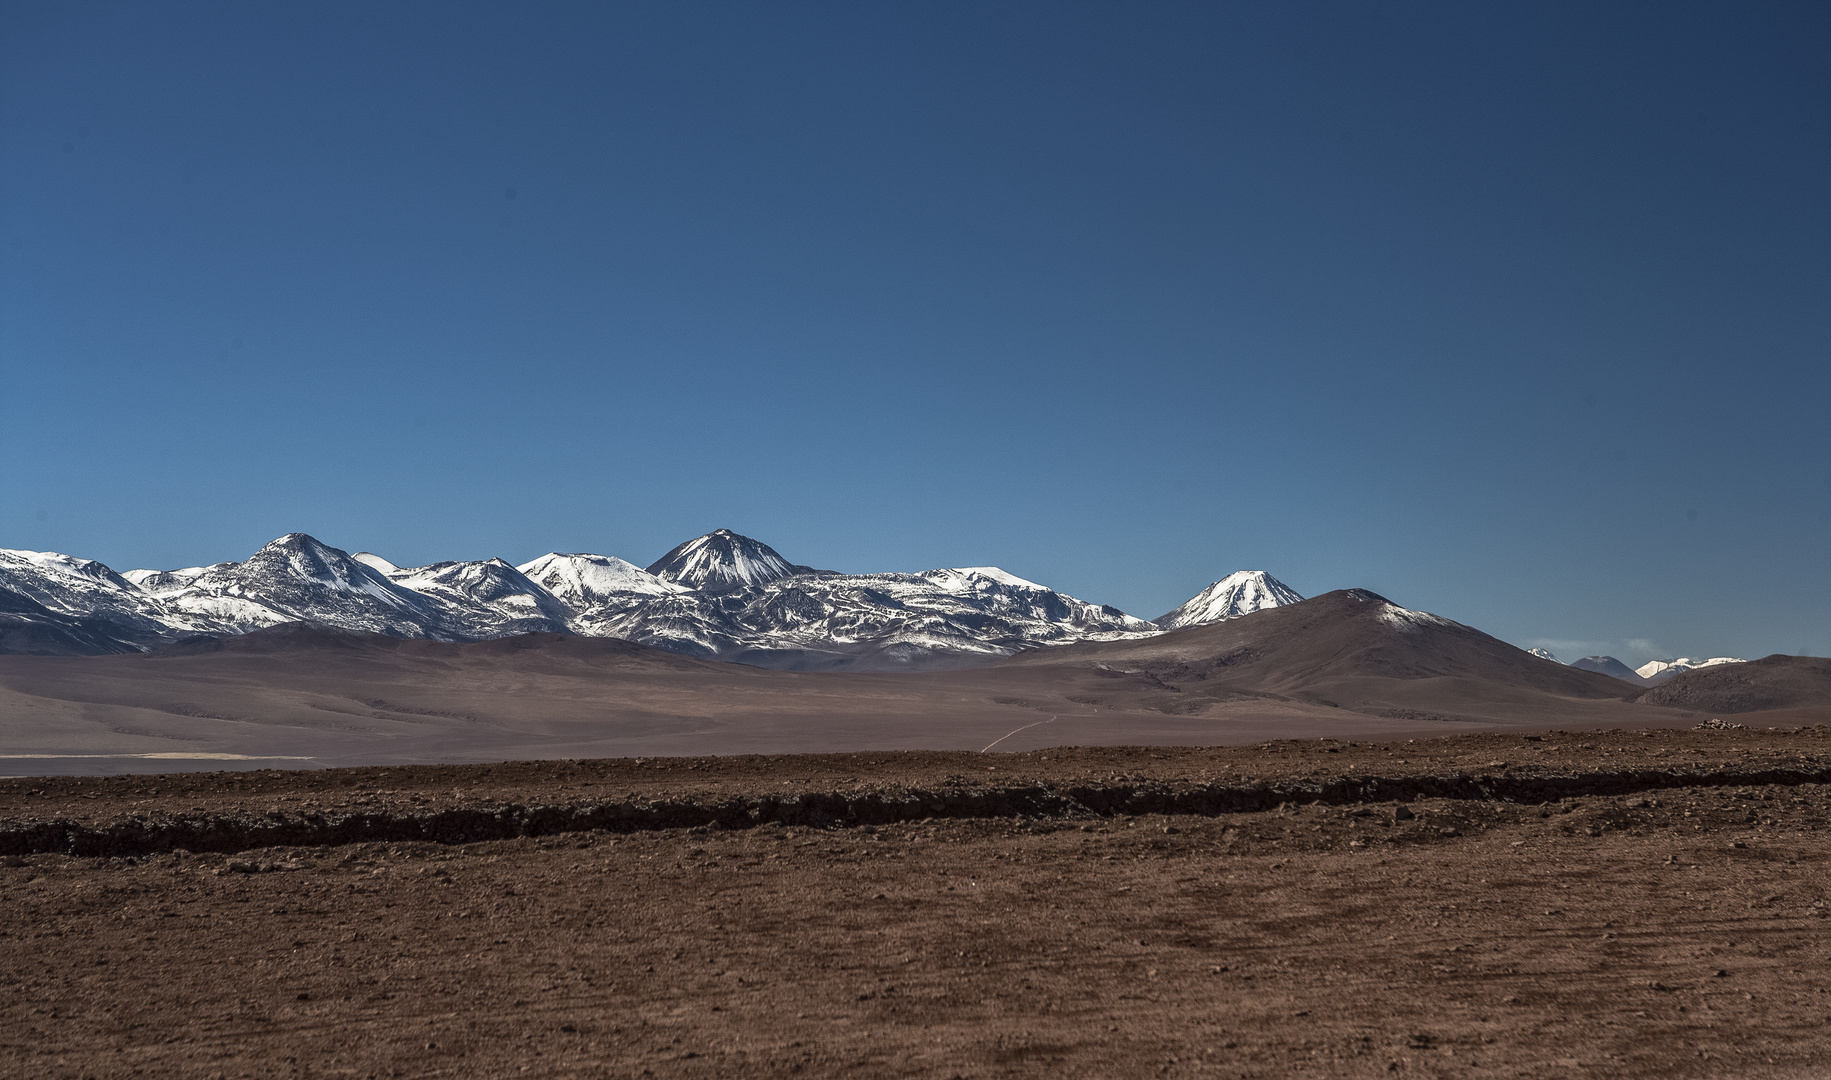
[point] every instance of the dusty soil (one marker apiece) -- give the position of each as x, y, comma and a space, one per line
295, 697
1668, 920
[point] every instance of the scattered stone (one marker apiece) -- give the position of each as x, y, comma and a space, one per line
1403, 813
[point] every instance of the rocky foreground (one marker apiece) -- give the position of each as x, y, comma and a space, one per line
1601, 904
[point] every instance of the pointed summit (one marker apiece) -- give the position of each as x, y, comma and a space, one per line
1240, 593
296, 578
721, 561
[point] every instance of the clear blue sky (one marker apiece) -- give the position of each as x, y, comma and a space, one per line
1520, 313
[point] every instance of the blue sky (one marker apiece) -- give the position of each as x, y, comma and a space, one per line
1517, 313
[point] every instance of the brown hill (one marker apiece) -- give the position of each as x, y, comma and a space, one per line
1772, 682
1350, 648
1345, 665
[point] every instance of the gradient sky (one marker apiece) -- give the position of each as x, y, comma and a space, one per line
1519, 313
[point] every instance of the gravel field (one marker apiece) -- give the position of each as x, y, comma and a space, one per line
1656, 910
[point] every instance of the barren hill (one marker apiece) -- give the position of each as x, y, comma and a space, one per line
1773, 682
1351, 649
1346, 665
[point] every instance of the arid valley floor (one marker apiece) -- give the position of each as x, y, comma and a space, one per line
1616, 904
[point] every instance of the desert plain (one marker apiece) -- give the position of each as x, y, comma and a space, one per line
1630, 903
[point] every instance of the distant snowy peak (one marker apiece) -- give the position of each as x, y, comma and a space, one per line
64, 566
298, 579
584, 581
165, 582
109, 607
482, 598
962, 579
1545, 654
303, 560
1662, 670
1240, 593
376, 562
721, 561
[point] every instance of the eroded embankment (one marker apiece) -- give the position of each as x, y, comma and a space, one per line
228, 833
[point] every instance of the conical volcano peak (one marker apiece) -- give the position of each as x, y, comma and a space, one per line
723, 560
1239, 593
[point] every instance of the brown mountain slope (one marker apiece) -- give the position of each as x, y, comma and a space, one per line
1345, 665
1350, 648
1772, 682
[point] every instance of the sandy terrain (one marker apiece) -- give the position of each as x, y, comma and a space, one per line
1656, 909
305, 698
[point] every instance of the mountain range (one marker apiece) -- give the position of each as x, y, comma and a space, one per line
1343, 665
718, 596
1651, 673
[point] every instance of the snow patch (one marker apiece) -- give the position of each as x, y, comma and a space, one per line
1680, 664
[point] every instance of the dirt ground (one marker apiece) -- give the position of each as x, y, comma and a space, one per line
1674, 928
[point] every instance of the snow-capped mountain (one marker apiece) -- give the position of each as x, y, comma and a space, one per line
1545, 654
825, 620
165, 582
721, 561
104, 605
585, 581
721, 596
1237, 594
1658, 671
298, 579
483, 599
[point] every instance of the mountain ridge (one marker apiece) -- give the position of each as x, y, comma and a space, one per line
718, 596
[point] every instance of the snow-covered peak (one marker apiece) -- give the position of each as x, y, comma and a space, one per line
1545, 654
1653, 669
485, 597
376, 562
723, 560
306, 559
453, 573
1239, 593
53, 562
117, 611
962, 579
584, 581
166, 582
